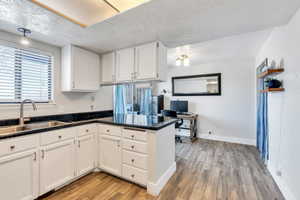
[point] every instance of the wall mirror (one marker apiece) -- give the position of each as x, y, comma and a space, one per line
197, 85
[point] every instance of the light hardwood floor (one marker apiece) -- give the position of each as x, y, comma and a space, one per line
206, 170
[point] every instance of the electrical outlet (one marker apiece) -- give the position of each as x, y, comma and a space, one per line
92, 107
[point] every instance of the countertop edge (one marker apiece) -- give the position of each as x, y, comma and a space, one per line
84, 122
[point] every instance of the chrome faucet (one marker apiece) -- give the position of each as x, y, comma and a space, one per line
22, 109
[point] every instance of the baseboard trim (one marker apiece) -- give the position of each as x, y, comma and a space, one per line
251, 142
288, 195
97, 169
155, 188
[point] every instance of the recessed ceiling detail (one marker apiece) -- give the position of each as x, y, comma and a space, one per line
88, 12
164, 20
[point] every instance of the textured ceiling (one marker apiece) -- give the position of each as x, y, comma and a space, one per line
236, 47
174, 22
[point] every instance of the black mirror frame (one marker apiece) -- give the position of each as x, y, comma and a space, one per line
198, 94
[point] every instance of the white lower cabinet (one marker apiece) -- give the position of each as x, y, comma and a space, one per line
123, 152
110, 154
135, 174
135, 155
33, 165
19, 176
135, 159
57, 165
86, 154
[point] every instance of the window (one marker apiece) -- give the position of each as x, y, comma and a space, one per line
132, 98
24, 74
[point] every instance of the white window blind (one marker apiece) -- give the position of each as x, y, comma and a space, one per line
24, 74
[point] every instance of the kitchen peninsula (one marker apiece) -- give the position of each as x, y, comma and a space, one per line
137, 148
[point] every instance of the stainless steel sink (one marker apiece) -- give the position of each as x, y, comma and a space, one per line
38, 125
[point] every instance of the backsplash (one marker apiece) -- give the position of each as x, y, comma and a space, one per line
71, 117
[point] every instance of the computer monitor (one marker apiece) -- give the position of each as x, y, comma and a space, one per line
179, 106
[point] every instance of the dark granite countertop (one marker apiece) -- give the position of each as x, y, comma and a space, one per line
149, 122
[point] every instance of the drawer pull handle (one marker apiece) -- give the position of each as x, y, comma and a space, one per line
43, 154
132, 160
107, 130
59, 137
12, 147
132, 147
34, 156
132, 175
132, 136
87, 130
78, 143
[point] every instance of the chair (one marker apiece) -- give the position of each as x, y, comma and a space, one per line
173, 114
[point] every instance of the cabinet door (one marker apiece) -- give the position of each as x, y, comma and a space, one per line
146, 61
86, 154
56, 165
108, 68
86, 70
110, 154
19, 176
125, 65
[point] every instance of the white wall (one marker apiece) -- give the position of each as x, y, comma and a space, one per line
230, 116
284, 45
63, 102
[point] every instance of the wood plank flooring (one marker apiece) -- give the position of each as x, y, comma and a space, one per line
206, 170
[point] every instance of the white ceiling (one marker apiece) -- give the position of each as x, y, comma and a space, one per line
174, 22
236, 47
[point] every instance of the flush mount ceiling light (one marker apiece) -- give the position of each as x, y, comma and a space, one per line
24, 39
88, 12
183, 60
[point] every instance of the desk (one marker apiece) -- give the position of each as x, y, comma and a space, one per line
193, 124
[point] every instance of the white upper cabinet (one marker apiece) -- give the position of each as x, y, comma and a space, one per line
125, 65
142, 63
146, 60
108, 66
162, 65
80, 70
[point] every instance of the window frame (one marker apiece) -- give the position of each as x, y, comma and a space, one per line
35, 50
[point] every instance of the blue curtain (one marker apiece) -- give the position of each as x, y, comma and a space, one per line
262, 136
145, 100
124, 102
120, 100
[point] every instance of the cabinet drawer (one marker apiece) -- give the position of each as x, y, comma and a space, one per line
136, 146
135, 134
134, 174
87, 129
110, 130
135, 159
14, 145
58, 135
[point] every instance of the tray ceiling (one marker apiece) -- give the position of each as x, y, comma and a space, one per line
174, 22
87, 12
